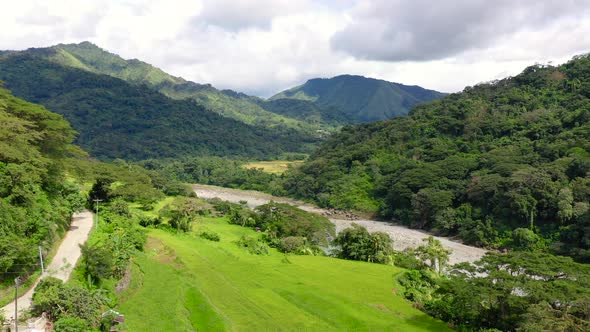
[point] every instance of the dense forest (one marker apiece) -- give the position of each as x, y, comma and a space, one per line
36, 203
228, 103
119, 120
502, 164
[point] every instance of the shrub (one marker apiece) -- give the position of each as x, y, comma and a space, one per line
286, 220
253, 245
291, 244
59, 300
70, 324
407, 259
211, 236
146, 221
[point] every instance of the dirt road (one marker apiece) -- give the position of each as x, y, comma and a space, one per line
63, 262
403, 237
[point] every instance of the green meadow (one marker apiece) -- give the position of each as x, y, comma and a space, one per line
186, 283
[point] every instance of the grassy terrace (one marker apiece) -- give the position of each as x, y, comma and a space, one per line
184, 283
274, 167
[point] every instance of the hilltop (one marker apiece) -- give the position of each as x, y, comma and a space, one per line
358, 98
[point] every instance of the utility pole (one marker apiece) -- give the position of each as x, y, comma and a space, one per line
96, 200
16, 284
41, 259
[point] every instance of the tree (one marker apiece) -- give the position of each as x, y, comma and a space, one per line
532, 290
434, 252
565, 204
526, 239
356, 243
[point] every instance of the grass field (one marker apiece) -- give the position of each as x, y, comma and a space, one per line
185, 283
274, 167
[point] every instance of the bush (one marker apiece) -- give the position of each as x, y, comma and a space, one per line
286, 220
146, 221
70, 324
59, 300
253, 245
407, 259
291, 244
211, 236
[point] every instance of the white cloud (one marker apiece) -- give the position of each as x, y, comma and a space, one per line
263, 46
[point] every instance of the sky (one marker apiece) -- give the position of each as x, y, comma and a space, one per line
261, 47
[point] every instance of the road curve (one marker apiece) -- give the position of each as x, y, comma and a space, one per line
63, 262
403, 237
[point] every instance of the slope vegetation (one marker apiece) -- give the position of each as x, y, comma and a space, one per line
119, 120
227, 103
36, 203
218, 286
506, 155
358, 98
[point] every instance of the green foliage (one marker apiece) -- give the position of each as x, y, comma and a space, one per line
356, 243
479, 164
281, 220
525, 239
434, 253
70, 324
97, 261
36, 201
216, 171
181, 212
353, 98
211, 236
116, 240
60, 301
254, 245
117, 119
531, 291
419, 285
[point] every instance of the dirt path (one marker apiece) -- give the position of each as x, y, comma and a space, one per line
64, 260
402, 237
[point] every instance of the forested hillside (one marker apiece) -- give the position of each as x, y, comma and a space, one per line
36, 203
227, 103
502, 164
118, 120
358, 98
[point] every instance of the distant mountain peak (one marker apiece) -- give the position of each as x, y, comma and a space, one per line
360, 98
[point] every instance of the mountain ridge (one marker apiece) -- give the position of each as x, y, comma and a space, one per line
363, 99
116, 119
368, 99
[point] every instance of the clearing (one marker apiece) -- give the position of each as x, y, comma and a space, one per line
186, 283
274, 167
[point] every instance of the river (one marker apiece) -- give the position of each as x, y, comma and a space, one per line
402, 236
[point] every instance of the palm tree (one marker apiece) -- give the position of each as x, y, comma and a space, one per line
434, 252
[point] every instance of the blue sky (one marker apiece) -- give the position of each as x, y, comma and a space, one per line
263, 46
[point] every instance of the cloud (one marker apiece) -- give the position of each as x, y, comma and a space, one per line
235, 15
263, 46
422, 30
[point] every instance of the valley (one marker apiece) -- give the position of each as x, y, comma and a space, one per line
402, 237
282, 166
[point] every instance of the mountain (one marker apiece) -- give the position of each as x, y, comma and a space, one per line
318, 104
501, 164
359, 98
228, 103
117, 119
